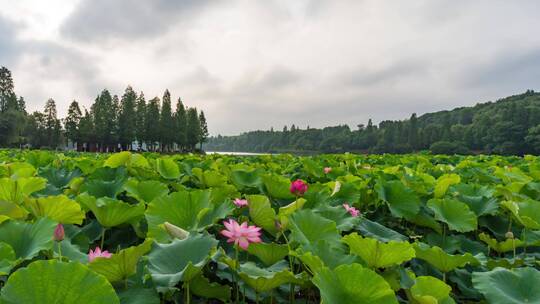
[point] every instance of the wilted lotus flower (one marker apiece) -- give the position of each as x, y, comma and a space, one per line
59, 233
298, 187
175, 231
327, 170
97, 253
241, 235
353, 211
240, 202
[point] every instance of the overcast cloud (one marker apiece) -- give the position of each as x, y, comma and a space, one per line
261, 64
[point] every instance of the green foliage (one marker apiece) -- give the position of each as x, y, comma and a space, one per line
377, 254
341, 286
509, 286
56, 282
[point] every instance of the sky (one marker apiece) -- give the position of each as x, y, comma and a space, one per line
257, 64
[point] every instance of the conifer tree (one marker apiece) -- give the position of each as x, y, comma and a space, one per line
180, 125
152, 122
127, 119
72, 122
140, 125
166, 123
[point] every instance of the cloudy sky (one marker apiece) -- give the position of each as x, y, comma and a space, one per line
259, 64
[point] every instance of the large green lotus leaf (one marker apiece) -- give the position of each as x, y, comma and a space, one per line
139, 296
480, 199
209, 178
102, 188
330, 254
503, 286
504, 246
441, 260
262, 213
19, 169
380, 232
527, 212
110, 212
121, 265
277, 186
377, 254
72, 251
167, 168
28, 239
188, 210
181, 260
127, 159
12, 210
344, 220
444, 182
266, 279
402, 201
454, 213
145, 191
243, 179
307, 228
353, 284
7, 258
15, 191
430, 290
268, 253
202, 287
59, 208
56, 282
59, 178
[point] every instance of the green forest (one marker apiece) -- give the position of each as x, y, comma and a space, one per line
509, 126
111, 124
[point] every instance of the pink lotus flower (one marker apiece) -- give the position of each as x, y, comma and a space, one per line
241, 235
299, 187
327, 170
240, 202
59, 233
353, 211
97, 253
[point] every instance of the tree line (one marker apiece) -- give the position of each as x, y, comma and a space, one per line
111, 124
509, 126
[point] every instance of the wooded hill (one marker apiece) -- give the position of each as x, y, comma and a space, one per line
508, 126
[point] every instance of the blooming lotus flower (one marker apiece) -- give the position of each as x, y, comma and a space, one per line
299, 187
353, 211
97, 253
59, 233
241, 235
327, 170
240, 202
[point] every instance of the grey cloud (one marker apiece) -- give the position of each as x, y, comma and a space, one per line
366, 76
8, 41
507, 72
122, 20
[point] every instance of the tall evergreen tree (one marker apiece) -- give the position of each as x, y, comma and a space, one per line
72, 121
127, 119
140, 125
166, 122
152, 122
7, 93
193, 128
52, 124
104, 122
180, 125
86, 130
203, 136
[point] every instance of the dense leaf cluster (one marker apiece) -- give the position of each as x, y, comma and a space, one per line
432, 229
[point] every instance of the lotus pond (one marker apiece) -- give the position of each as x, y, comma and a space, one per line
337, 229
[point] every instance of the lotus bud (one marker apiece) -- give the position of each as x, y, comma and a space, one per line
59, 233
175, 231
509, 235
